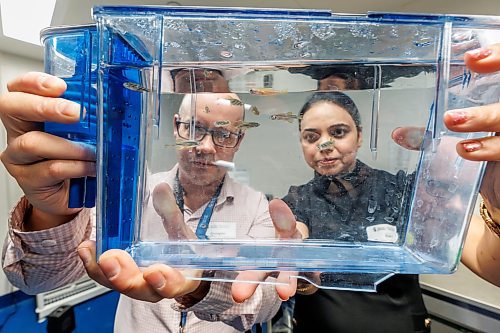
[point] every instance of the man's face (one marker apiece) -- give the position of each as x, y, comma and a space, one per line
213, 112
203, 80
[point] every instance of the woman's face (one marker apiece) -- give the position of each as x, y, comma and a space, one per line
329, 139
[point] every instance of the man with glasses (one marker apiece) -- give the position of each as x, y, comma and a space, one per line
212, 206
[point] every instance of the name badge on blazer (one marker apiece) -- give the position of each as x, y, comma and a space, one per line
382, 233
221, 230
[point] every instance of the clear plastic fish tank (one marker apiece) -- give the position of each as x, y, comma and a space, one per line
204, 115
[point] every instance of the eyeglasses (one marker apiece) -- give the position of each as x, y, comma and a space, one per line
220, 137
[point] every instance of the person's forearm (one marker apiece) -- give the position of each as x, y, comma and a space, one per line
46, 259
481, 252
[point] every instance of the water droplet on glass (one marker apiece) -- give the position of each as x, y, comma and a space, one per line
226, 54
305, 54
394, 33
198, 28
372, 206
286, 30
389, 219
172, 44
423, 42
299, 45
370, 218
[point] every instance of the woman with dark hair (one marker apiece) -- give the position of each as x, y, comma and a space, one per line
349, 201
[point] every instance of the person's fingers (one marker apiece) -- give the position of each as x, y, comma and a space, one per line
124, 276
173, 221
86, 252
483, 60
36, 108
483, 149
283, 220
50, 172
245, 284
37, 146
408, 137
38, 83
287, 284
168, 282
484, 118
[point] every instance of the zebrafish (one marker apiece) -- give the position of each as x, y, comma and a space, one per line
230, 101
135, 87
267, 91
184, 144
252, 108
221, 123
244, 125
325, 145
289, 116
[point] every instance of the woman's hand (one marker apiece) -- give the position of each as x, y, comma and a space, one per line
484, 118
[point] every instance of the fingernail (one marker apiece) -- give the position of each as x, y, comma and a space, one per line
470, 146
85, 255
156, 280
479, 54
48, 81
110, 267
415, 138
458, 116
69, 109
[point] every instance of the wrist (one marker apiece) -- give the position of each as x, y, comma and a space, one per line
490, 222
188, 300
306, 288
37, 220
201, 291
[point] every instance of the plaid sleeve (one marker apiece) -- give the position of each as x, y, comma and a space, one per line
218, 304
43, 260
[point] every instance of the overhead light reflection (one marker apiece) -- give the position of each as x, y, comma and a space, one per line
23, 19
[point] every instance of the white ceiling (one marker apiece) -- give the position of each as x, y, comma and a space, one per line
69, 12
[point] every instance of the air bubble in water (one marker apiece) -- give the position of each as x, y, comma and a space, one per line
285, 30
323, 31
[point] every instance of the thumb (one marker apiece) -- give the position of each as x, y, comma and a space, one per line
484, 60
409, 137
283, 220
173, 221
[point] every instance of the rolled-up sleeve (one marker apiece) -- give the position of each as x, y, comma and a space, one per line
218, 304
39, 261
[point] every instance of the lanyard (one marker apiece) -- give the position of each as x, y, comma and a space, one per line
201, 229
